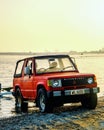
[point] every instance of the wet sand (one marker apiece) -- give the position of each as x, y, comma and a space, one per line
70, 117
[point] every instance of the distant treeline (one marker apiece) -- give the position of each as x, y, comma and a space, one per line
33, 53
16, 53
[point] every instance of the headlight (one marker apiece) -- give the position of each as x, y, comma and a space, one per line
55, 83
90, 80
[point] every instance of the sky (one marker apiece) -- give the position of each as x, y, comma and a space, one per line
51, 25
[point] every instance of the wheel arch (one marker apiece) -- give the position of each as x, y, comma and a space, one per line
15, 88
39, 87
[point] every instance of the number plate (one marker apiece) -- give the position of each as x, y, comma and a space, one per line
77, 92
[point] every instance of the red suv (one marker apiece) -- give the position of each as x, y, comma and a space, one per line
51, 81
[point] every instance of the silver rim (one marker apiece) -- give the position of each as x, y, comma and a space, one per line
19, 102
42, 102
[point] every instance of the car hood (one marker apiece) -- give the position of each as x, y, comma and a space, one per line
67, 75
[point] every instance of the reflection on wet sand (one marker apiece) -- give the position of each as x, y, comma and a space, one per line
6, 106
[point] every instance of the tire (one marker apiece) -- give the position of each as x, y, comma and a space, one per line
43, 103
89, 101
20, 105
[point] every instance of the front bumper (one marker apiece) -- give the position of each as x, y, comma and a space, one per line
66, 93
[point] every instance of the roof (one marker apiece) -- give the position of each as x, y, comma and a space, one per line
46, 56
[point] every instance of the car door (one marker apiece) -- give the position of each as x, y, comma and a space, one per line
28, 79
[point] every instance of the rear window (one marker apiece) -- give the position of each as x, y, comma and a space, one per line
18, 72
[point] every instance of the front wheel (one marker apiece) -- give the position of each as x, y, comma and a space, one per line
43, 102
89, 101
20, 105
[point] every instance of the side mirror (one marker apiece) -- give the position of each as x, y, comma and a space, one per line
27, 70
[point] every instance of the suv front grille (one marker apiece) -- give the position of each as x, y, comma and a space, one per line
74, 81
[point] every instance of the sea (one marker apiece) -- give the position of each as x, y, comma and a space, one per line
86, 63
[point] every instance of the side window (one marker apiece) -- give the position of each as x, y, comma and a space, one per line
18, 72
30, 66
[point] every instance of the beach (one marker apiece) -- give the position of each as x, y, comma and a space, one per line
70, 117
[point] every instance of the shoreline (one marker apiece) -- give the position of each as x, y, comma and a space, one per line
53, 52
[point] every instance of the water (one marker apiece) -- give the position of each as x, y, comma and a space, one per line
7, 68
93, 64
7, 106
85, 63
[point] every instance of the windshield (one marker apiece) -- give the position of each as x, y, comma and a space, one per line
55, 64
